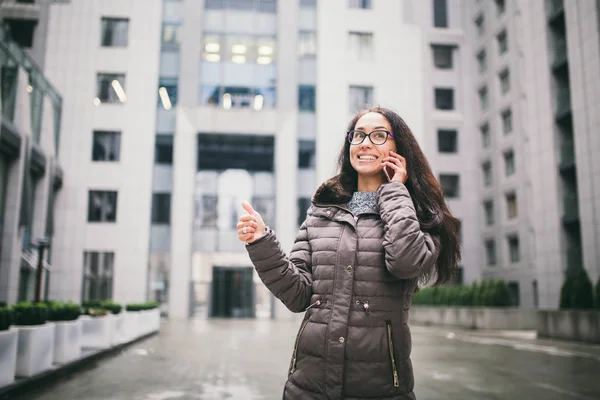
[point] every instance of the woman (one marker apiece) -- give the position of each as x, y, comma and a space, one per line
367, 242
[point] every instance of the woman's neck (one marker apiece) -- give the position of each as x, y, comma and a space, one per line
369, 183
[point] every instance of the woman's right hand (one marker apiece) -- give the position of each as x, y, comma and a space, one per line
251, 226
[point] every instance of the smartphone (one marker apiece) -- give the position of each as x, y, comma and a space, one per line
388, 172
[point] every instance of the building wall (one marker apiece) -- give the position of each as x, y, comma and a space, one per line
583, 43
19, 232
395, 72
73, 44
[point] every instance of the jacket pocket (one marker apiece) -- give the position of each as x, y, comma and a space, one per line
295, 355
390, 338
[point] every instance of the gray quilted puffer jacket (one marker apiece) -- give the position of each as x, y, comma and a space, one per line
354, 277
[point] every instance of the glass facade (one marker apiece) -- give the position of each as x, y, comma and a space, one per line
238, 71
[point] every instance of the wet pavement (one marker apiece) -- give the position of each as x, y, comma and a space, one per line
247, 360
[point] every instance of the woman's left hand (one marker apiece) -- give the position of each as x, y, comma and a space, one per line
396, 163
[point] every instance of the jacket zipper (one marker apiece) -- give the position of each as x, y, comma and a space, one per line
296, 346
392, 358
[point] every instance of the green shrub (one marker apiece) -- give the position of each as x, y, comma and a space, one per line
29, 313
2, 304
111, 306
598, 294
91, 304
6, 318
582, 296
63, 311
491, 293
566, 292
499, 294
141, 306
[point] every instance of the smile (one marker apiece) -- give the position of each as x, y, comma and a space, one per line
367, 158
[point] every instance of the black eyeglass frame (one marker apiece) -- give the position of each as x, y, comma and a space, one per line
350, 136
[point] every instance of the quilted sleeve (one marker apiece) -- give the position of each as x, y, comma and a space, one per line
409, 252
288, 278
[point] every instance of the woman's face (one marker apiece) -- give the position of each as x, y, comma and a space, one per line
366, 157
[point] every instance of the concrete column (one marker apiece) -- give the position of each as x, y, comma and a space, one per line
10, 254
182, 215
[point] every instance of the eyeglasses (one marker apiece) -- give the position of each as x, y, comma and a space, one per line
377, 137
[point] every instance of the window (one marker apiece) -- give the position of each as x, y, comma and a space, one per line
483, 99
161, 208
490, 252
364, 4
306, 154
485, 135
307, 44
447, 141
308, 3
482, 61
106, 146
500, 7
167, 92
110, 88
303, 206
502, 42
102, 206
266, 6
22, 30
442, 56
360, 97
115, 32
306, 98
507, 121
480, 25
509, 163
444, 99
360, 45
504, 81
209, 211
511, 205
163, 149
170, 36
450, 185
440, 14
98, 270
488, 209
513, 249
487, 173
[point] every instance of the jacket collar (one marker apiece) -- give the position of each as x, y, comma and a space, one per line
333, 192
331, 200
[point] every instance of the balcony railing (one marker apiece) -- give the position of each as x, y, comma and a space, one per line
559, 51
567, 155
563, 101
570, 208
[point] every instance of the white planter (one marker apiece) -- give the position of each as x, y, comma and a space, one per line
35, 350
95, 332
155, 320
8, 355
131, 325
144, 321
117, 330
67, 341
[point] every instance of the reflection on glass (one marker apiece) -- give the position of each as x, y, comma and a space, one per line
237, 96
170, 36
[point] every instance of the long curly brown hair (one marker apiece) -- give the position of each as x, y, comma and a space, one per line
425, 191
